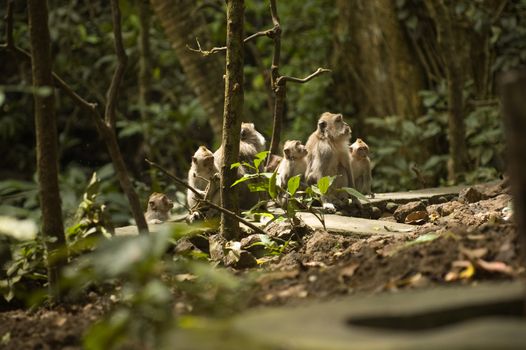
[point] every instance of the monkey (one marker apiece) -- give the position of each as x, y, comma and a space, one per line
158, 208
273, 163
251, 143
203, 177
294, 161
328, 154
361, 166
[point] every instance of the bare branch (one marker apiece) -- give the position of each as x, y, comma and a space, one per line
113, 91
9, 25
205, 201
268, 32
282, 79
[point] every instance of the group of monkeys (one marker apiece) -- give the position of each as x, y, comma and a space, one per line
326, 153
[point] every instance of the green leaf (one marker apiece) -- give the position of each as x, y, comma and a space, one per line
423, 239
324, 183
259, 158
235, 165
245, 177
272, 190
293, 184
355, 193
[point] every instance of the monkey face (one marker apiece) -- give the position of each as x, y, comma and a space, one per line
359, 149
247, 129
159, 202
294, 149
333, 127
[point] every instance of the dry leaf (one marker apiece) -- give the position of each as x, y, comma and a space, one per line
496, 266
348, 271
417, 218
60, 321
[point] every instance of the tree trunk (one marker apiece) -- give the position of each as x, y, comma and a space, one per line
512, 85
47, 142
374, 70
232, 114
144, 68
182, 25
450, 40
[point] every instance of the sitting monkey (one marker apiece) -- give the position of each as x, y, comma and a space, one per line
158, 208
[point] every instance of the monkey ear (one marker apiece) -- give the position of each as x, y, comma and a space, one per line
339, 118
322, 125
287, 153
194, 160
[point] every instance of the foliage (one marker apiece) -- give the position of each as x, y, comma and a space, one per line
144, 278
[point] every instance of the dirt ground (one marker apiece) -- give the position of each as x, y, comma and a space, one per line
464, 241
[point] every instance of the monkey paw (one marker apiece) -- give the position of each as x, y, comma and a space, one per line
193, 217
329, 208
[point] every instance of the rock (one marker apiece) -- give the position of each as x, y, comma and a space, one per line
183, 246
240, 260
217, 244
376, 213
285, 230
470, 195
403, 210
448, 208
257, 250
391, 207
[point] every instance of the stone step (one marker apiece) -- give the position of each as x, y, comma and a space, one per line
459, 317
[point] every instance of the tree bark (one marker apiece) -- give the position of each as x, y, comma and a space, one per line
232, 114
512, 85
144, 68
47, 142
182, 25
375, 72
450, 41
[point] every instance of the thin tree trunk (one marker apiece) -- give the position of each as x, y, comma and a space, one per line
232, 114
47, 142
450, 41
182, 25
144, 67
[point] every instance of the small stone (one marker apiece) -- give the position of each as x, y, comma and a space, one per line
376, 213
243, 261
217, 244
470, 195
391, 207
403, 210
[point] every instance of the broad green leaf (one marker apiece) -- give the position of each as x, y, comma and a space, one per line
293, 184
235, 165
245, 177
355, 193
260, 157
324, 183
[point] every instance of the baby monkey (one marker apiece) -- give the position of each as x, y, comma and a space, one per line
294, 162
158, 208
202, 176
361, 166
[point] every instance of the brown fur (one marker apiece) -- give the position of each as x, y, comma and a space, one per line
361, 166
294, 161
201, 176
328, 151
158, 208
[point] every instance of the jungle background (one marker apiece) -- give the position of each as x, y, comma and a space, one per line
388, 79
397, 67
